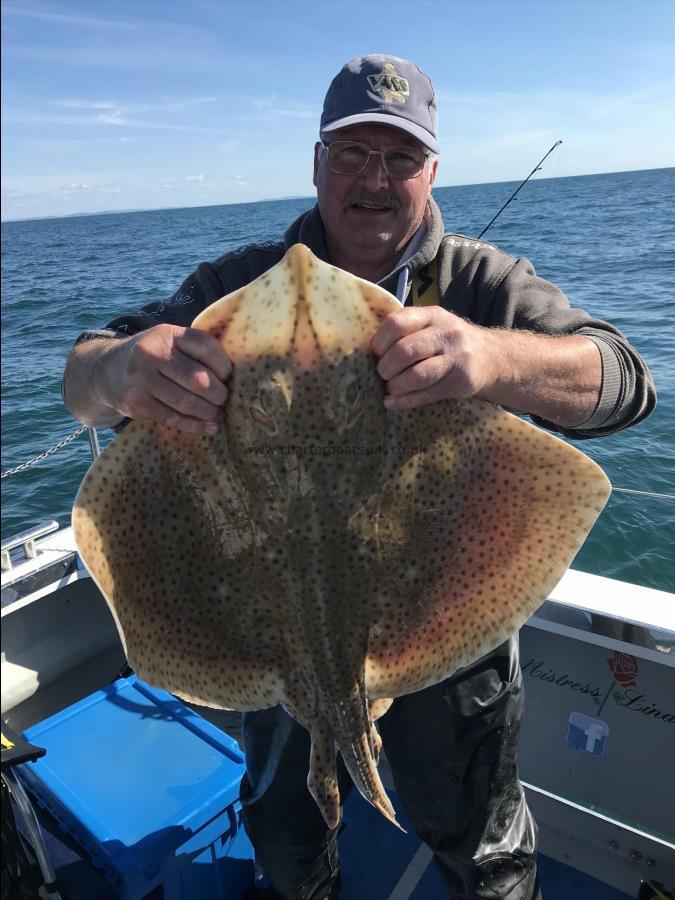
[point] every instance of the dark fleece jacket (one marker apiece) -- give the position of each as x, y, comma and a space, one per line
476, 280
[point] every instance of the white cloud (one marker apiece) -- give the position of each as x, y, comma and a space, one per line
157, 56
43, 14
180, 32
134, 108
86, 104
114, 118
112, 113
85, 188
9, 194
183, 184
501, 111
271, 106
496, 135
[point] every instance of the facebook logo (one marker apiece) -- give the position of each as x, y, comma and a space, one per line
587, 734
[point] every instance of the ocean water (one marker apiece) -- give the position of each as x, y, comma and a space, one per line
607, 240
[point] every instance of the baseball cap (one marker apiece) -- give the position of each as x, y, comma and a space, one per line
385, 90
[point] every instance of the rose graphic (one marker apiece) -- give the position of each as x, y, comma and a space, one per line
623, 667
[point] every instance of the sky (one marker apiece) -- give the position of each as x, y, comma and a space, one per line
150, 104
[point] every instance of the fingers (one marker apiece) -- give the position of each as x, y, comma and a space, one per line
407, 351
424, 397
428, 354
427, 382
184, 401
156, 411
401, 323
204, 348
194, 377
174, 376
420, 377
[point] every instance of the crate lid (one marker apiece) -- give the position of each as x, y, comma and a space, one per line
131, 766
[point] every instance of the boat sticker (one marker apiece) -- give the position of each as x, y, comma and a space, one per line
624, 668
621, 690
587, 734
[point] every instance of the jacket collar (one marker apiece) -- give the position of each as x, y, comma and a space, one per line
308, 229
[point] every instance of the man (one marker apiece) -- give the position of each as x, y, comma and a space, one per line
498, 332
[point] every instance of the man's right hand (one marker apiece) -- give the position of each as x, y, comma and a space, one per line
168, 374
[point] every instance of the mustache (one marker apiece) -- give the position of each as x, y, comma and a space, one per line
381, 198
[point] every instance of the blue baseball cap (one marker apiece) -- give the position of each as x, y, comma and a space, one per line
385, 90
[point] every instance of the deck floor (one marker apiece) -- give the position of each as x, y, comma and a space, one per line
379, 862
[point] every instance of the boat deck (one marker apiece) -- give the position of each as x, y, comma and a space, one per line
379, 862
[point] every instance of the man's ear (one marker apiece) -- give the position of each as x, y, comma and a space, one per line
432, 171
318, 150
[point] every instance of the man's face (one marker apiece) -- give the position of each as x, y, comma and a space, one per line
370, 217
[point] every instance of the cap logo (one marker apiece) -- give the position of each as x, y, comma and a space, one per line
390, 85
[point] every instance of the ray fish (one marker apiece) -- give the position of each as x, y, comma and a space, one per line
320, 551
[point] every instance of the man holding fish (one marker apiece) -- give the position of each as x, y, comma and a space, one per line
473, 323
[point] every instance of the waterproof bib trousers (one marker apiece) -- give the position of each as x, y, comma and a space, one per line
452, 751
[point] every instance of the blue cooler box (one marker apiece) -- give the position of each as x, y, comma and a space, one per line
149, 790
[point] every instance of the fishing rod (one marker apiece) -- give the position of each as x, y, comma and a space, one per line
537, 168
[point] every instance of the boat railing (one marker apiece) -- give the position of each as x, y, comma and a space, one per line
25, 540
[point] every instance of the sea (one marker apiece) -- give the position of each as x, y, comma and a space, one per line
607, 240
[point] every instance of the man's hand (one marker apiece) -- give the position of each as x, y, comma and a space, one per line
429, 354
168, 374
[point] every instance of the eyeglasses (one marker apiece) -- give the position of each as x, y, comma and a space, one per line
350, 158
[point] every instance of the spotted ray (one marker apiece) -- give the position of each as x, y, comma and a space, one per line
320, 551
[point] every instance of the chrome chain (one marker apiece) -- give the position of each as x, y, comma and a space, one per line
78, 432
37, 459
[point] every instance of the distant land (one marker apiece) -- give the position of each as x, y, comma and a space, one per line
114, 212
120, 212
77, 215
98, 212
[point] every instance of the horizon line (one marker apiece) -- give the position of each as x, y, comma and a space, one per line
123, 212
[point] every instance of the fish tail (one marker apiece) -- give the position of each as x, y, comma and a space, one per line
358, 759
322, 777
352, 727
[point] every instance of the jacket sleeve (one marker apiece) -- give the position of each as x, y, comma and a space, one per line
525, 301
209, 282
205, 285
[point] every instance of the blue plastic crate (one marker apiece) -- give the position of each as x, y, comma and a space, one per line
148, 789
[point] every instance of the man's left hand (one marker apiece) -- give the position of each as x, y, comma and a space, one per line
429, 354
